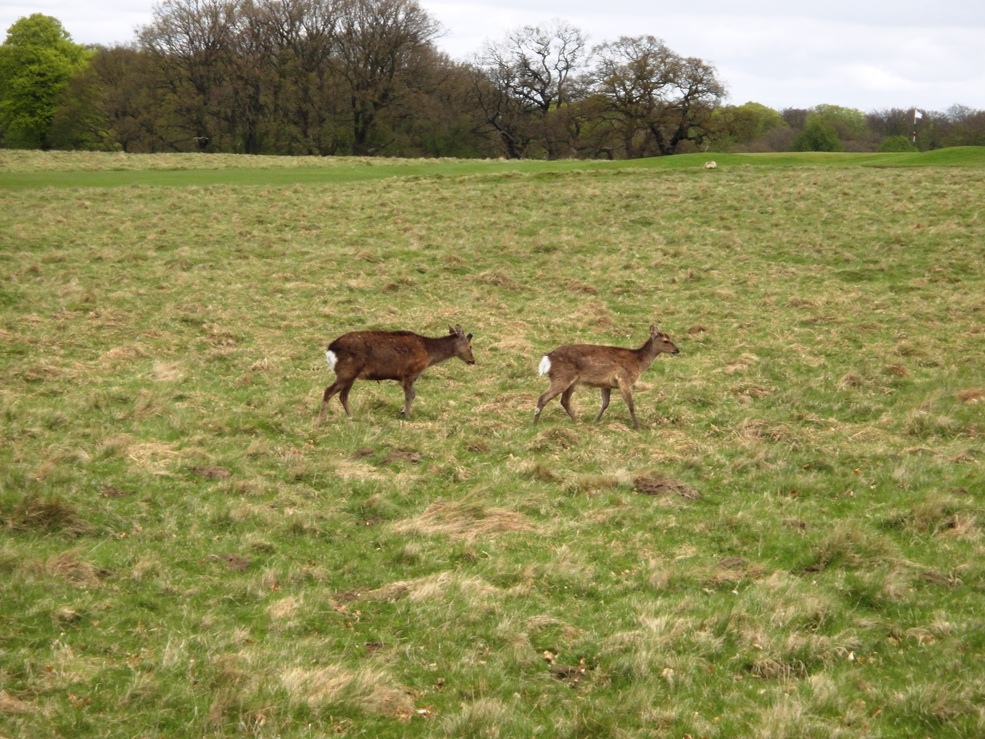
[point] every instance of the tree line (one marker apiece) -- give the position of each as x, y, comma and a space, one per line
364, 77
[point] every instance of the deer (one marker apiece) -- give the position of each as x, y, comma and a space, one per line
604, 367
389, 355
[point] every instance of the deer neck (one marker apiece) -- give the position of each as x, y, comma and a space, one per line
647, 353
439, 350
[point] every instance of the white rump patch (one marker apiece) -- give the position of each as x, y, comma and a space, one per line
545, 365
332, 359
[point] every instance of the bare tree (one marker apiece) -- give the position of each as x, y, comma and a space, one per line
529, 81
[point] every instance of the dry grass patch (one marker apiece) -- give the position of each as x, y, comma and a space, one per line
971, 395
70, 567
46, 515
371, 691
12, 705
435, 588
463, 520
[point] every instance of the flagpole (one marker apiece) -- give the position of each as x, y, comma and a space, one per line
917, 115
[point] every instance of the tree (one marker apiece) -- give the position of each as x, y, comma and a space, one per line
37, 60
965, 126
849, 124
818, 135
526, 85
134, 102
657, 101
383, 49
191, 41
305, 95
78, 121
744, 125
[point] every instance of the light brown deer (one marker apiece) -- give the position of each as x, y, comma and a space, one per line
604, 367
389, 355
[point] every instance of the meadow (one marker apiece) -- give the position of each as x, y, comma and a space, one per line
790, 546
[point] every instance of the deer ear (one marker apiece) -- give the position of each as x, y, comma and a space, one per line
451, 329
468, 336
653, 329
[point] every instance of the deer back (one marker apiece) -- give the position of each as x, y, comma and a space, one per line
379, 355
592, 364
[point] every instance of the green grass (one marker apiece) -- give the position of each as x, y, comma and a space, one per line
22, 170
791, 546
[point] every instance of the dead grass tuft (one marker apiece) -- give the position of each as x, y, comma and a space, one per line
434, 587
769, 668
559, 437
68, 566
849, 546
167, 371
971, 395
152, 456
498, 278
463, 520
10, 705
48, 515
372, 691
851, 381
483, 717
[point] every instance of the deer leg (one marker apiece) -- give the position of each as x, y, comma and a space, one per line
409, 396
558, 385
344, 397
566, 401
606, 392
627, 395
335, 387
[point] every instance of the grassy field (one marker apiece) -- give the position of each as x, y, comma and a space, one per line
791, 546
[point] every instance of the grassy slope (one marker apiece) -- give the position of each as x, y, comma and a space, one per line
792, 545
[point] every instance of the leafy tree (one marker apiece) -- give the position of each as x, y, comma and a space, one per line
133, 102
742, 125
306, 98
383, 52
657, 100
850, 125
191, 43
37, 60
78, 121
818, 135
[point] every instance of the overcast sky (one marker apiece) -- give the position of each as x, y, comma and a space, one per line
783, 54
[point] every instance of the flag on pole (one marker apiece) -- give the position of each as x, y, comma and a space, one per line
917, 115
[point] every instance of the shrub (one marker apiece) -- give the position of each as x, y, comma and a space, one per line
896, 143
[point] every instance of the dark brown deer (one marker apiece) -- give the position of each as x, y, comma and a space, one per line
389, 355
604, 367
